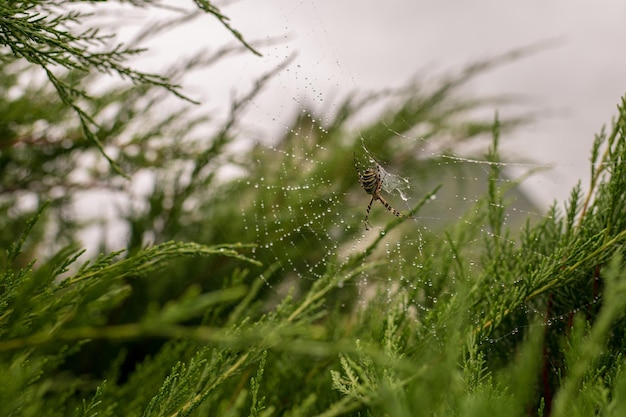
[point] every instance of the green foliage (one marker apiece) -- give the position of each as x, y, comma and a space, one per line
50, 37
191, 318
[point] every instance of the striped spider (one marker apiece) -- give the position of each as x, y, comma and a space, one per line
372, 183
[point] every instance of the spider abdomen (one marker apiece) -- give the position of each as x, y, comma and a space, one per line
370, 181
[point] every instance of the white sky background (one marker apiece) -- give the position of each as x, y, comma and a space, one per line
358, 45
355, 45
350, 45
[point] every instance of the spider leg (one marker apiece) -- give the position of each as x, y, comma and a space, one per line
388, 206
367, 212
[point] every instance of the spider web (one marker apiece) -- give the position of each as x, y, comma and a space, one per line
307, 200
304, 102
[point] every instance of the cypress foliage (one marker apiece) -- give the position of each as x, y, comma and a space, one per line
482, 321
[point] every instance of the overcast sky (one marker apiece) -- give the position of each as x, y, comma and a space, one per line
347, 45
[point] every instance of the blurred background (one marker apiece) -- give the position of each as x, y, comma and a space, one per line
570, 83
571, 86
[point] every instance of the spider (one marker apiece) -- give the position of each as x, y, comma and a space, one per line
372, 183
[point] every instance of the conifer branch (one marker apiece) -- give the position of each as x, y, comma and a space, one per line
46, 36
598, 167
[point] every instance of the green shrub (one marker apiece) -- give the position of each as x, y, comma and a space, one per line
281, 312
